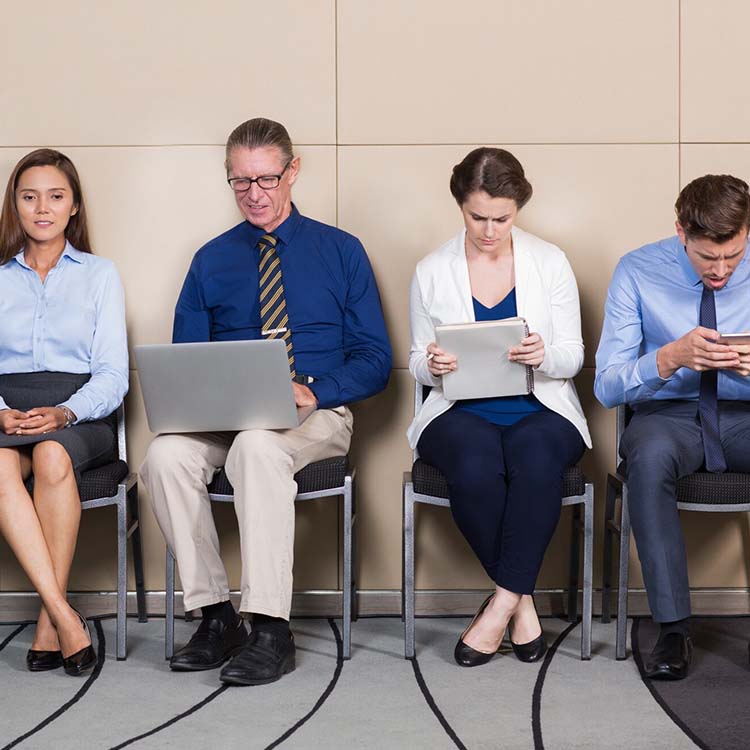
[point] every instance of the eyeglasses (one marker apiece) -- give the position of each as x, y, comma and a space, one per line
265, 182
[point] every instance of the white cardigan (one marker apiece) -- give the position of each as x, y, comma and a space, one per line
546, 295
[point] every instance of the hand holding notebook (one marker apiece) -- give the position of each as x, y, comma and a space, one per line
484, 369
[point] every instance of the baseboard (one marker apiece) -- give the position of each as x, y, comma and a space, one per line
20, 605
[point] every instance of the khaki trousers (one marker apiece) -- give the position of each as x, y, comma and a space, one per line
261, 465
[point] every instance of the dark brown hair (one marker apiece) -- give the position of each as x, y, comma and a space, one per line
260, 133
714, 207
495, 171
12, 236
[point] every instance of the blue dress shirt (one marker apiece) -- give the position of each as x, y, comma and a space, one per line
503, 410
654, 298
73, 322
334, 308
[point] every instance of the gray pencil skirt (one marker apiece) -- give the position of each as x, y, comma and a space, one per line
89, 444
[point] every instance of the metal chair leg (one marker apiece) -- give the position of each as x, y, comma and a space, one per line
347, 569
169, 607
575, 560
588, 572
622, 584
140, 587
408, 548
122, 574
609, 516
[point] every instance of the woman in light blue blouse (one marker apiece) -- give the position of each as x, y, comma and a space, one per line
63, 369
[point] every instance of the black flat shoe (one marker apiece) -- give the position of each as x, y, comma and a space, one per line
671, 657
466, 656
81, 661
43, 661
531, 651
266, 657
211, 645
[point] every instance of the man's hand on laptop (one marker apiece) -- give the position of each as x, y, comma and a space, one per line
303, 396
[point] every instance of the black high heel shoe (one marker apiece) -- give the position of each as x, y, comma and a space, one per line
533, 650
81, 661
43, 661
466, 656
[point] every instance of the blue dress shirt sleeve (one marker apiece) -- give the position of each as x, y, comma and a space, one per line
623, 373
104, 392
367, 350
192, 319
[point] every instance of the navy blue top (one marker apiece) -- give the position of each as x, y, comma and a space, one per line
503, 410
334, 308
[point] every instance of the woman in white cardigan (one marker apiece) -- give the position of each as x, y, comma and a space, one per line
503, 458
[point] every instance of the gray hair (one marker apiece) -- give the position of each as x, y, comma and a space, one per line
260, 133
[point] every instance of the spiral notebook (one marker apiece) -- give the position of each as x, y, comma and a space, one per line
484, 369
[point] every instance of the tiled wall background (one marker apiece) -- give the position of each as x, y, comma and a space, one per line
611, 107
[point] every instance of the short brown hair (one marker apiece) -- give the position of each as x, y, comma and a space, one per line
714, 207
495, 171
260, 133
12, 236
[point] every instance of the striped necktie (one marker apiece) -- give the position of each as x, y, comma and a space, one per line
274, 319
708, 406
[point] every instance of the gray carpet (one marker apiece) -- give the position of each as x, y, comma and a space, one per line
712, 705
376, 700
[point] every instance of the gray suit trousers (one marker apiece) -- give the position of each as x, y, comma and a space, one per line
661, 444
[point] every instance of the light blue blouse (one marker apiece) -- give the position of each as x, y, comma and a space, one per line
73, 322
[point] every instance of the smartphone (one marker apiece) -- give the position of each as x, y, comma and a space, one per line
734, 338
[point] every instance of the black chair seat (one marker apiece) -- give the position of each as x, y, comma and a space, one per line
429, 481
714, 489
102, 481
319, 475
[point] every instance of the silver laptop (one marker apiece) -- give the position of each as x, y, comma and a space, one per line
220, 385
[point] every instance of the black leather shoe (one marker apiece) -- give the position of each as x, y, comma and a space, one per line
43, 661
83, 660
266, 657
211, 645
531, 651
466, 656
670, 659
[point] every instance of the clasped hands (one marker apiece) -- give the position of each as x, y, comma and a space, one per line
530, 351
35, 421
698, 350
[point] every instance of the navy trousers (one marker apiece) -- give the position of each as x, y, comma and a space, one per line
661, 444
505, 485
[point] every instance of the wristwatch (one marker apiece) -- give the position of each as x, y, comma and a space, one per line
69, 416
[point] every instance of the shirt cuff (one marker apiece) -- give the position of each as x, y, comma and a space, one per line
648, 372
78, 406
3, 405
327, 393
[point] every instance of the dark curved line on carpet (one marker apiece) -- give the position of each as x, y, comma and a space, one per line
90, 680
219, 691
324, 695
635, 645
12, 636
536, 699
433, 705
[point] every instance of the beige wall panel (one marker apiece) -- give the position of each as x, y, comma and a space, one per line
381, 454
720, 158
714, 71
150, 209
168, 72
489, 70
596, 202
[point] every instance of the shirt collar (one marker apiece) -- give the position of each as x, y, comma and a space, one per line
68, 252
284, 232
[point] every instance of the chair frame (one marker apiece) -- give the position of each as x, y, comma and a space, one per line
128, 527
579, 528
617, 487
349, 586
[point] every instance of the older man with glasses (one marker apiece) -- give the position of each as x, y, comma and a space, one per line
277, 274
